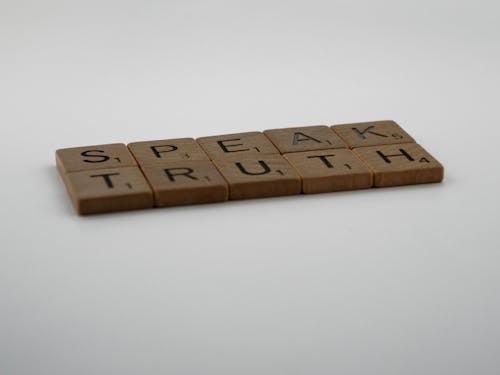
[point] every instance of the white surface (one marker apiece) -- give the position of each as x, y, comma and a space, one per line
384, 281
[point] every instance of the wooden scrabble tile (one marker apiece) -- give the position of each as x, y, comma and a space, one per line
157, 152
251, 143
401, 164
93, 157
372, 133
305, 138
259, 176
110, 189
186, 182
330, 170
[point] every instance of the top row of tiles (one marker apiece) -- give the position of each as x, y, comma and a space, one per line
273, 141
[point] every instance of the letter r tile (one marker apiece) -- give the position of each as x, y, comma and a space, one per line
259, 176
228, 145
186, 182
401, 164
330, 170
372, 133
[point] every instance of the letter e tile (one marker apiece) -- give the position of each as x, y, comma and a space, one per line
229, 145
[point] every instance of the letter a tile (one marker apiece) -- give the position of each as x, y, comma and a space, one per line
330, 170
401, 164
106, 190
305, 138
259, 176
186, 182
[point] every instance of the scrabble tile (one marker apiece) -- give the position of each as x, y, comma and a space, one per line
251, 143
157, 152
330, 170
401, 164
372, 133
110, 189
305, 138
186, 182
93, 157
259, 176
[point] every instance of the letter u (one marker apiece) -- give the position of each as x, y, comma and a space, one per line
265, 169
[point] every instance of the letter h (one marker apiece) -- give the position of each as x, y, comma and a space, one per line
386, 157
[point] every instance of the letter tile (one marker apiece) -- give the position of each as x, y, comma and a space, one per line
186, 182
156, 152
330, 170
93, 157
259, 176
372, 133
305, 138
110, 189
401, 164
251, 143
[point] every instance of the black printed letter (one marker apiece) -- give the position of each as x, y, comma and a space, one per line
108, 181
185, 172
367, 130
101, 157
324, 159
296, 138
403, 153
158, 152
262, 163
225, 147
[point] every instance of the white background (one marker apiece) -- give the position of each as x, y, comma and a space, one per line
384, 281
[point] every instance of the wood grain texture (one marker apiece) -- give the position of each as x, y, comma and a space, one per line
259, 176
159, 151
305, 138
330, 170
372, 133
186, 182
401, 164
107, 190
229, 145
93, 157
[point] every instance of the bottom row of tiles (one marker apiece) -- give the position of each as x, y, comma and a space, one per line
202, 181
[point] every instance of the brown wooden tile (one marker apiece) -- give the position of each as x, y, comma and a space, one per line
401, 164
372, 133
156, 152
93, 157
259, 176
251, 143
186, 182
305, 138
330, 170
110, 189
